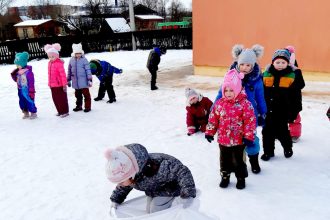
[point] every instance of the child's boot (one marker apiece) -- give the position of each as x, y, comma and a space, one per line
25, 115
33, 116
225, 179
288, 152
240, 183
77, 109
111, 100
254, 163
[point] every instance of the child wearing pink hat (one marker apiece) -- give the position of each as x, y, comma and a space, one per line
233, 118
57, 79
162, 177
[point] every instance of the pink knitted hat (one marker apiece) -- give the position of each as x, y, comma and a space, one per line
121, 164
233, 80
53, 49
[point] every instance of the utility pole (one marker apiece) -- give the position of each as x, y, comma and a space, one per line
132, 23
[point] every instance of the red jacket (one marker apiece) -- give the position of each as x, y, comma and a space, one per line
56, 73
198, 114
233, 119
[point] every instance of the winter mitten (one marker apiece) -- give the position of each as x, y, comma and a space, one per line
209, 138
121, 71
31, 94
191, 131
69, 83
248, 142
90, 83
64, 88
261, 120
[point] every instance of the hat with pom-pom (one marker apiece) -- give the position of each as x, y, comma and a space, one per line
233, 80
21, 59
281, 53
122, 164
190, 94
247, 55
292, 61
53, 49
77, 48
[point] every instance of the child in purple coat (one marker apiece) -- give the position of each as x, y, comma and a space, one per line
24, 78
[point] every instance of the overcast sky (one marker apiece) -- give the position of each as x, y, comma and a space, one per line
187, 3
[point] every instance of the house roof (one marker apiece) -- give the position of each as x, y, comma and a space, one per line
149, 17
32, 22
118, 25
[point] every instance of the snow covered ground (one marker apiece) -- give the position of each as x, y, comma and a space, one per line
53, 168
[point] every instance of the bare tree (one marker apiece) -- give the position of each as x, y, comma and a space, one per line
161, 9
176, 10
47, 8
4, 4
152, 4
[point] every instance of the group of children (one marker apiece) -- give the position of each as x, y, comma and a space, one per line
249, 98
79, 76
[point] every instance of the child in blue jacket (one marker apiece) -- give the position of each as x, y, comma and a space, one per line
104, 72
246, 62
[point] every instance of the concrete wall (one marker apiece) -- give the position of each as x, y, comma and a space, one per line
219, 24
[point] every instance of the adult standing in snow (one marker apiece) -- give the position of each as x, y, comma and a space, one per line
104, 72
246, 63
198, 109
24, 78
57, 79
153, 62
162, 177
283, 103
233, 118
295, 126
80, 74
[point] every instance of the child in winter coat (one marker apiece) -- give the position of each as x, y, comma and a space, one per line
57, 79
295, 126
283, 104
104, 72
152, 64
24, 78
80, 74
198, 110
162, 177
233, 118
246, 63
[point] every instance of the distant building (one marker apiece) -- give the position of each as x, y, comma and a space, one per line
115, 25
39, 28
147, 22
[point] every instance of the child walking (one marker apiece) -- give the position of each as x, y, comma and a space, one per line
283, 104
104, 72
162, 177
246, 63
153, 62
233, 118
296, 126
80, 74
57, 79
198, 109
24, 78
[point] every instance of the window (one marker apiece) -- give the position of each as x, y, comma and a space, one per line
25, 33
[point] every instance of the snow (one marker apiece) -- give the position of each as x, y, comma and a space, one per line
53, 168
149, 17
32, 22
118, 25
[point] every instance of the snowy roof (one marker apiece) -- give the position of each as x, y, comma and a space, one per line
31, 22
149, 17
24, 18
118, 24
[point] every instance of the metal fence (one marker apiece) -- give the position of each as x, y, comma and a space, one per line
172, 39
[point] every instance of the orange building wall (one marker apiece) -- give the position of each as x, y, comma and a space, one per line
219, 24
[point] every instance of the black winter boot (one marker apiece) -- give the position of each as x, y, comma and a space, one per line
97, 99
288, 153
77, 109
111, 100
240, 183
254, 163
266, 156
224, 180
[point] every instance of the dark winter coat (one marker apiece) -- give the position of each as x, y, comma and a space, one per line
159, 175
254, 89
154, 59
198, 114
281, 93
79, 72
106, 71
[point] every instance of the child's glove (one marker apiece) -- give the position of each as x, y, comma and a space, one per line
248, 142
209, 138
90, 83
65, 88
120, 70
191, 131
261, 120
69, 83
